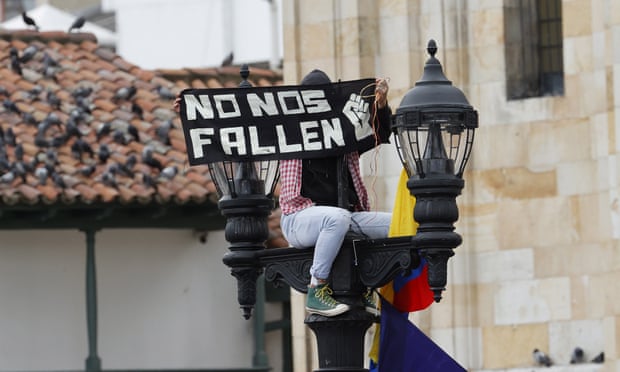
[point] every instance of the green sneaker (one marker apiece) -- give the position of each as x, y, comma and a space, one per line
320, 301
370, 302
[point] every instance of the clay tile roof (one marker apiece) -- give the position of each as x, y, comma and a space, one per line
69, 134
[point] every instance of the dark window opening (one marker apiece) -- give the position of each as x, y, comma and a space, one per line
533, 51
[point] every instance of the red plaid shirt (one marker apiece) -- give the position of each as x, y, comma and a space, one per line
291, 200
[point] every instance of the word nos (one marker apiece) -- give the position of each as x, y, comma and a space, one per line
312, 135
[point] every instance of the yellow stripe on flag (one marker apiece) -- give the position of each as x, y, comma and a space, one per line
402, 224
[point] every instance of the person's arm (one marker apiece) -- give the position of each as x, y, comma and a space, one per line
383, 112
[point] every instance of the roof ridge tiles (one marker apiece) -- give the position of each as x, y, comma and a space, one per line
61, 37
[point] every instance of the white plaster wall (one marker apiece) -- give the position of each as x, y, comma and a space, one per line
42, 316
195, 33
165, 301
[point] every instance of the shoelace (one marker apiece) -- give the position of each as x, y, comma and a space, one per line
370, 299
324, 295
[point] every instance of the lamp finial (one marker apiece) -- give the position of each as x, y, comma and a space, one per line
244, 72
431, 48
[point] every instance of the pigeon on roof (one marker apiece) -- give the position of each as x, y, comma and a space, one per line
68, 134
77, 24
228, 61
29, 21
50, 18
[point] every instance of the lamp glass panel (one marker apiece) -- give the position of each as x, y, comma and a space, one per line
413, 141
222, 174
408, 149
269, 172
261, 177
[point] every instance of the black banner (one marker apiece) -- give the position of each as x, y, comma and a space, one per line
277, 122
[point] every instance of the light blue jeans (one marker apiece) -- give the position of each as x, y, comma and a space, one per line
325, 228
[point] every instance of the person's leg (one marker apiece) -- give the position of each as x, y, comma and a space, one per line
322, 227
325, 228
370, 225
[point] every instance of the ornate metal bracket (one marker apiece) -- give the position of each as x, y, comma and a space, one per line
376, 262
380, 260
287, 266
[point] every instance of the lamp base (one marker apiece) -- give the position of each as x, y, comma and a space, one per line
436, 212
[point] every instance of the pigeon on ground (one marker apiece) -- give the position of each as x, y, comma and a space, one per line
577, 356
541, 359
599, 358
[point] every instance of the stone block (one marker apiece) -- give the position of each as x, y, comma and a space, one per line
389, 8
502, 146
568, 106
463, 344
553, 142
594, 95
505, 265
593, 217
317, 11
487, 64
487, 27
532, 301
535, 222
565, 336
575, 260
314, 47
601, 295
516, 183
576, 17
580, 177
600, 135
511, 346
393, 34
477, 226
456, 308
575, 60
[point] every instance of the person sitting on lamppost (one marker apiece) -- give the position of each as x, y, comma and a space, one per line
319, 210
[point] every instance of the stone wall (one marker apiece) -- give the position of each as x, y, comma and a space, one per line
540, 212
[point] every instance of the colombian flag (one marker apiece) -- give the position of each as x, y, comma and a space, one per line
411, 292
405, 348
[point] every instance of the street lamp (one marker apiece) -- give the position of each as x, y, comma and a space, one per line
434, 127
246, 190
